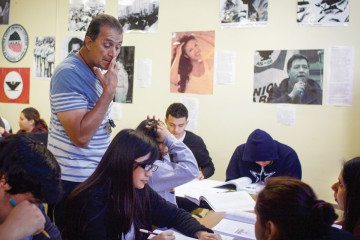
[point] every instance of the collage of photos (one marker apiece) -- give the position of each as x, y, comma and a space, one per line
238, 13
139, 15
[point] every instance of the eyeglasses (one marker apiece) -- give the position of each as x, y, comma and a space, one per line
147, 167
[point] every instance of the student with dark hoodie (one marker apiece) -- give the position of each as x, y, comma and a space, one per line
262, 157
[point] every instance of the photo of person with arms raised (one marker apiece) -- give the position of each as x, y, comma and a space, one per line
192, 62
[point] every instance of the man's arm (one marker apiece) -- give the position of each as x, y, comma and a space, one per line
81, 124
198, 147
293, 166
233, 171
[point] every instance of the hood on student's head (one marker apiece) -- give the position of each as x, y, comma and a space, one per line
260, 146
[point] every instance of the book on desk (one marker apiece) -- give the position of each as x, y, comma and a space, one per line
218, 199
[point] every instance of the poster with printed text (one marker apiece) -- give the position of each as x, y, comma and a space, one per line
288, 76
81, 13
323, 12
14, 85
192, 62
139, 15
241, 13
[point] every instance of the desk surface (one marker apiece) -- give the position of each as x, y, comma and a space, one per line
211, 219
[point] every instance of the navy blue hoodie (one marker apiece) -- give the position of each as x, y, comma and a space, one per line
260, 146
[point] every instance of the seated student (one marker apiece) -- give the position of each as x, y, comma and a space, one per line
115, 202
176, 119
29, 175
347, 195
30, 122
177, 165
288, 209
262, 157
4, 126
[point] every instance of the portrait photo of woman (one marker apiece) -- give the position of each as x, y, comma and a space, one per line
192, 63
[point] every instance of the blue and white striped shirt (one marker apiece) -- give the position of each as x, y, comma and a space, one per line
74, 86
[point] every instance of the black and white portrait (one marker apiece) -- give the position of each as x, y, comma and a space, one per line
237, 13
44, 56
4, 11
323, 12
82, 12
71, 44
288, 76
139, 15
124, 89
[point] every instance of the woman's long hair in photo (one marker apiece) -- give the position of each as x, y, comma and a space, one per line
185, 65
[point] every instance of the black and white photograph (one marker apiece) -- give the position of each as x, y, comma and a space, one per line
139, 15
71, 44
44, 57
4, 12
323, 12
238, 13
124, 88
82, 12
288, 76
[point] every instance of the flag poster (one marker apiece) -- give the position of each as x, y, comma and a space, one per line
14, 85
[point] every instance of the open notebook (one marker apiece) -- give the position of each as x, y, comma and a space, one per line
238, 225
242, 184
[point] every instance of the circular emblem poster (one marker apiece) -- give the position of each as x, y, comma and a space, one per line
15, 43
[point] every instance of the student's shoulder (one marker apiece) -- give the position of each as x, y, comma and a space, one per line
284, 149
335, 233
192, 136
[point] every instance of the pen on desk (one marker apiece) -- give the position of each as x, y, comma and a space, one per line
147, 231
13, 203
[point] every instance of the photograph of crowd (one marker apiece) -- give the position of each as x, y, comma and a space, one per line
139, 15
82, 11
235, 13
44, 57
288, 76
323, 12
4, 11
124, 88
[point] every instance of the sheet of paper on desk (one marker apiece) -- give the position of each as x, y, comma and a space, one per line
179, 236
235, 229
228, 201
241, 216
196, 185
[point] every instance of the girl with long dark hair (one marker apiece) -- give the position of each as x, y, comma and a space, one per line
289, 209
347, 195
115, 202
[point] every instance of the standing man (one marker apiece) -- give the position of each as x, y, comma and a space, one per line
297, 88
176, 121
80, 97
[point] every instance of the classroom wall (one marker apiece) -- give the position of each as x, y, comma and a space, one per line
323, 136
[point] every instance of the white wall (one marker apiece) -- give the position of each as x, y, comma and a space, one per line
322, 136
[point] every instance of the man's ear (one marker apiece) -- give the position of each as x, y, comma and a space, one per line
271, 230
88, 42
